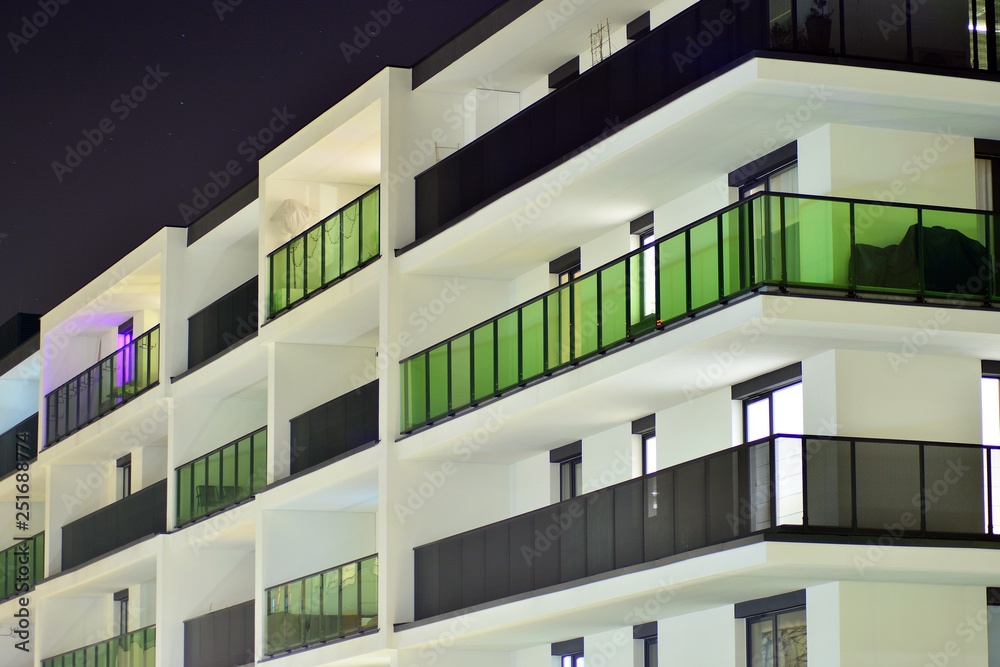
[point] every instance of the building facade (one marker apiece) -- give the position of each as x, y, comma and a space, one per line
616, 333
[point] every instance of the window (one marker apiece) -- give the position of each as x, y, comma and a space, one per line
783, 179
569, 652
772, 405
124, 484
121, 612
567, 267
776, 411
570, 461
777, 639
570, 478
649, 453
775, 172
645, 266
125, 372
645, 428
991, 433
650, 653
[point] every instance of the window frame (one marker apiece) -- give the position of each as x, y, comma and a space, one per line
773, 618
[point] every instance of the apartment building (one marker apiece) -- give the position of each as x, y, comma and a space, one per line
617, 333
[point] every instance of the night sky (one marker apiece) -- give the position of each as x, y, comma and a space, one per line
151, 96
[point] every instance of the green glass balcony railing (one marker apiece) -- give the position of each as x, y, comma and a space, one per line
794, 242
337, 603
112, 381
328, 251
222, 477
134, 649
22, 566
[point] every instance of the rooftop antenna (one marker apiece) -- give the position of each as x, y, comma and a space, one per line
598, 39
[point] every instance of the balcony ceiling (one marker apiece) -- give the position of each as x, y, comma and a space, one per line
349, 154
689, 143
537, 42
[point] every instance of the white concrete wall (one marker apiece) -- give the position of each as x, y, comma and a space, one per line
888, 165
485, 109
896, 625
536, 656
300, 378
696, 428
334, 538
18, 401
875, 394
605, 248
610, 457
691, 206
616, 647
534, 483
702, 639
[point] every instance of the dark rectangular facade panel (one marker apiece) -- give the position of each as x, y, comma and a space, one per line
335, 428
137, 516
223, 323
222, 638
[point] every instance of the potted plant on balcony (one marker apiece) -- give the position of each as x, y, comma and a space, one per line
819, 26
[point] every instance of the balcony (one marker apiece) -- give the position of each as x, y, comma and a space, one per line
326, 253
111, 382
812, 487
19, 445
222, 324
223, 637
28, 554
134, 649
698, 44
132, 518
223, 477
337, 427
335, 604
796, 243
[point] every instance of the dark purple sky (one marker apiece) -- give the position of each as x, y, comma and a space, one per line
209, 74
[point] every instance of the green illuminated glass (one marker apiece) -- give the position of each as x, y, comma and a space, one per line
135, 649
339, 602
222, 477
780, 240
345, 240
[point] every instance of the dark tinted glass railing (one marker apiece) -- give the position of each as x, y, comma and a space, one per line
222, 324
223, 638
323, 254
114, 380
19, 444
132, 518
222, 477
22, 566
336, 603
334, 428
693, 46
806, 484
791, 241
134, 649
